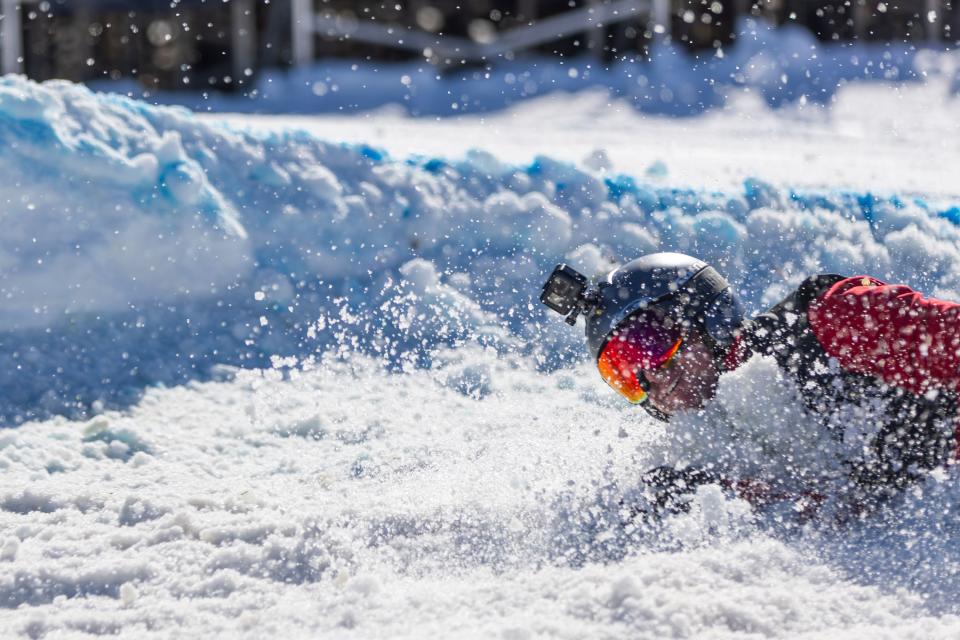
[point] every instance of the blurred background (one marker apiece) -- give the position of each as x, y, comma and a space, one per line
224, 44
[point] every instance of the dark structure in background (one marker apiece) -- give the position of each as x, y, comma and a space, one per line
870, 20
603, 28
163, 43
220, 44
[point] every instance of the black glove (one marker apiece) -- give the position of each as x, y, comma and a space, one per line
668, 488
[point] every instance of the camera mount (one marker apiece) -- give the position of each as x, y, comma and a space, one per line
566, 291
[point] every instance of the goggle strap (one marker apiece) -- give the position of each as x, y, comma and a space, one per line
642, 381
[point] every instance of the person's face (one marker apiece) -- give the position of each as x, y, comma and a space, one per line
688, 382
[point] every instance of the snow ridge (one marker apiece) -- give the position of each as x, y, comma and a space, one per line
210, 245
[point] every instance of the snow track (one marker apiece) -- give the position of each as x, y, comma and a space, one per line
278, 504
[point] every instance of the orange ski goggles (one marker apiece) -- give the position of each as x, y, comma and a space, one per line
643, 342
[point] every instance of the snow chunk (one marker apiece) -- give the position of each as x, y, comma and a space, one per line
8, 552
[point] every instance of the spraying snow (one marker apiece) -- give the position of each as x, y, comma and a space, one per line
262, 383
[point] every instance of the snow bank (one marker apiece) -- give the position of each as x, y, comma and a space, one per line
102, 211
144, 246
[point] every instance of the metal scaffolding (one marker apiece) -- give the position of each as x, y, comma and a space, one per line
588, 19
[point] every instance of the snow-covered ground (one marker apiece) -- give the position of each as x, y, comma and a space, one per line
272, 375
853, 144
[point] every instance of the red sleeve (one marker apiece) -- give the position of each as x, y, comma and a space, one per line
890, 331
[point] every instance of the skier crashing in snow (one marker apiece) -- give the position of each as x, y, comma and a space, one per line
665, 327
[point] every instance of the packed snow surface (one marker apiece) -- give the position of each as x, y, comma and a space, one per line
260, 381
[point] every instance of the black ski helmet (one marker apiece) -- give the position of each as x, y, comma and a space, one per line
673, 282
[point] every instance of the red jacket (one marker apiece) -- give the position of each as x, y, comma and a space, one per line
873, 329
890, 331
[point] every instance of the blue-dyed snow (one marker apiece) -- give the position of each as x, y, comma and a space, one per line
434, 165
619, 186
952, 214
376, 155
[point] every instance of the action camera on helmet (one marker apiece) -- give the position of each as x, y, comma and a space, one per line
566, 292
669, 281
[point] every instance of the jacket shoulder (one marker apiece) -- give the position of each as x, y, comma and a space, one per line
808, 291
